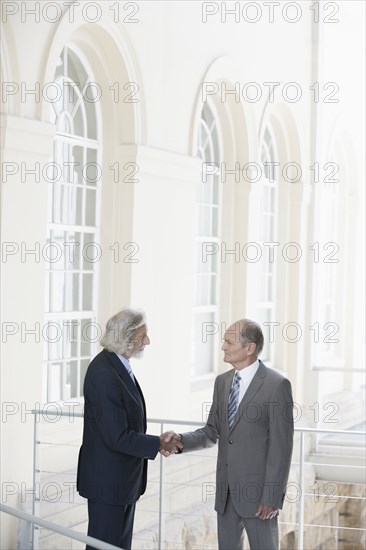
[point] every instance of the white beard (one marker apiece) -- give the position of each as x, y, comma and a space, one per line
139, 354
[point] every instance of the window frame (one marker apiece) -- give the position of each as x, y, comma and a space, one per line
199, 239
78, 314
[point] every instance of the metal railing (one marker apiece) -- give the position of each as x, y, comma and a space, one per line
32, 520
171, 422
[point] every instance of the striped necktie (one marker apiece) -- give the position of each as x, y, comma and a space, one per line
233, 399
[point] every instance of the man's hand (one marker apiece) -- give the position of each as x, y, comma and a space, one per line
170, 443
266, 512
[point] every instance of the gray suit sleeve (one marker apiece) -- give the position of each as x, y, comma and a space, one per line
281, 431
207, 436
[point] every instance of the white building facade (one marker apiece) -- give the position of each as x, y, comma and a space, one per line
200, 160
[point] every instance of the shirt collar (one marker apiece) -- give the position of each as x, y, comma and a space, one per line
249, 371
125, 362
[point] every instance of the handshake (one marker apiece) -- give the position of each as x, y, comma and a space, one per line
170, 443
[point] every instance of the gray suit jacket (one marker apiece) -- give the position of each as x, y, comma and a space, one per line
254, 456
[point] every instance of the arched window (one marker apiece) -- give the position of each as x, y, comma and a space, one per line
206, 246
267, 234
72, 231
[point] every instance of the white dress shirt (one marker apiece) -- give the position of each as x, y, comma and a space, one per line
247, 376
125, 362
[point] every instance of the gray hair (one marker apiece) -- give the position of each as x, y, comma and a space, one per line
251, 332
121, 329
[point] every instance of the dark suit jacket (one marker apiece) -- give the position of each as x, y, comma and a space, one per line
113, 457
254, 456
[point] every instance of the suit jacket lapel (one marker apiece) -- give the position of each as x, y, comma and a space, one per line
249, 395
142, 400
133, 389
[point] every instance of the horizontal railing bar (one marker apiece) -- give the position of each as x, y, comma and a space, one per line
29, 518
318, 495
322, 430
57, 444
57, 413
338, 527
335, 465
195, 423
213, 515
335, 369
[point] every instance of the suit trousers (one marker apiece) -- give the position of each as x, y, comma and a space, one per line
111, 523
262, 533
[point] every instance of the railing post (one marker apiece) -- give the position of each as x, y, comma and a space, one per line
300, 543
161, 498
36, 480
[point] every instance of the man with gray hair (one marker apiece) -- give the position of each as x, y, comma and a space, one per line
251, 417
112, 468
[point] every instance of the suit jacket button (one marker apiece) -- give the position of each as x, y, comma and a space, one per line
230, 441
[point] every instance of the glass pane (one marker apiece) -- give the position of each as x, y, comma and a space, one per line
91, 115
66, 158
73, 249
92, 171
54, 253
207, 115
79, 126
88, 292
76, 70
57, 203
70, 337
90, 212
54, 381
73, 378
54, 339
58, 104
72, 205
70, 211
205, 139
76, 339
84, 363
216, 150
76, 169
87, 337
64, 124
57, 290
72, 292
60, 66
91, 252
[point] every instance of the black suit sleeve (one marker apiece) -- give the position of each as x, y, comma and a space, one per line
117, 418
